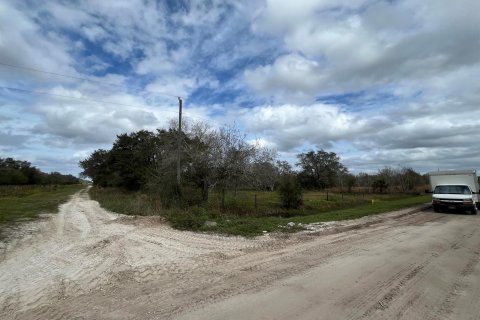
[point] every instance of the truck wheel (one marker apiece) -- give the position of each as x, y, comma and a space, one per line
473, 210
436, 209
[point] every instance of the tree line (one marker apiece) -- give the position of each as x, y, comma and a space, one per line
222, 159
17, 172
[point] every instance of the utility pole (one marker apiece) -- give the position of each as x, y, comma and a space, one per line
179, 145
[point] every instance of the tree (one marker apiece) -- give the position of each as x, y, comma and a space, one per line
200, 170
388, 176
319, 169
98, 166
10, 176
284, 167
161, 175
132, 156
232, 155
409, 179
348, 180
16, 172
364, 180
263, 174
380, 185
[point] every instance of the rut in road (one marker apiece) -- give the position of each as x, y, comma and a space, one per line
85, 250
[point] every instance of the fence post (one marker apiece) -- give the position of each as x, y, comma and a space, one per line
327, 195
255, 202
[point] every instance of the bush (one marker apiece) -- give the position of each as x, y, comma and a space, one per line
380, 185
188, 219
290, 192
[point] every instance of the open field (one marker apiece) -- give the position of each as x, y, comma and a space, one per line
251, 213
88, 263
21, 203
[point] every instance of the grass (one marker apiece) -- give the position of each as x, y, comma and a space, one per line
131, 203
242, 215
22, 203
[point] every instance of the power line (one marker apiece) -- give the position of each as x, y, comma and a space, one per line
73, 98
94, 100
91, 80
83, 79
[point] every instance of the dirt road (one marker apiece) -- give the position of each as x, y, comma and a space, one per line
87, 263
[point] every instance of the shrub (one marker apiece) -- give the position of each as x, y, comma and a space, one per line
380, 185
185, 220
290, 192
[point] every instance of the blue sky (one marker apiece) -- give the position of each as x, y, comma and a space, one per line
382, 83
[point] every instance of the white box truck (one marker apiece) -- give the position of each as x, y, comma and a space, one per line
455, 189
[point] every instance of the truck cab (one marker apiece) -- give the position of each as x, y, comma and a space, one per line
454, 197
455, 190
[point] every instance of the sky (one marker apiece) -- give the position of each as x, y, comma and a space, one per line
381, 83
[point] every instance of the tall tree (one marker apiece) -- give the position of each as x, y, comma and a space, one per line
98, 166
202, 148
232, 155
132, 156
263, 174
319, 169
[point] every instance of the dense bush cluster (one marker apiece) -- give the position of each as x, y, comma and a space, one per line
290, 192
16, 172
220, 159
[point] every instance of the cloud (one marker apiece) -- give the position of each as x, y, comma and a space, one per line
71, 121
179, 86
12, 140
292, 77
290, 126
354, 48
25, 44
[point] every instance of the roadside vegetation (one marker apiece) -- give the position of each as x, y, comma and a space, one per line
250, 213
234, 186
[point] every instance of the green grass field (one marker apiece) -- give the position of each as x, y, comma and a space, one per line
21, 203
243, 215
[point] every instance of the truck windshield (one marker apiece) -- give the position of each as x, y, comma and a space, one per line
452, 190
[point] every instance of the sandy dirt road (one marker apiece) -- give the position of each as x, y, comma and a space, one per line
87, 263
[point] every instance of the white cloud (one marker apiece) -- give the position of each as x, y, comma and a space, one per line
94, 33
357, 49
23, 43
291, 126
69, 121
292, 77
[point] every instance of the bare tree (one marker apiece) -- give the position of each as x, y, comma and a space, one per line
388, 175
232, 155
204, 146
263, 173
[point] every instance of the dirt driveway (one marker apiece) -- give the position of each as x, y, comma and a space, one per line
87, 263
